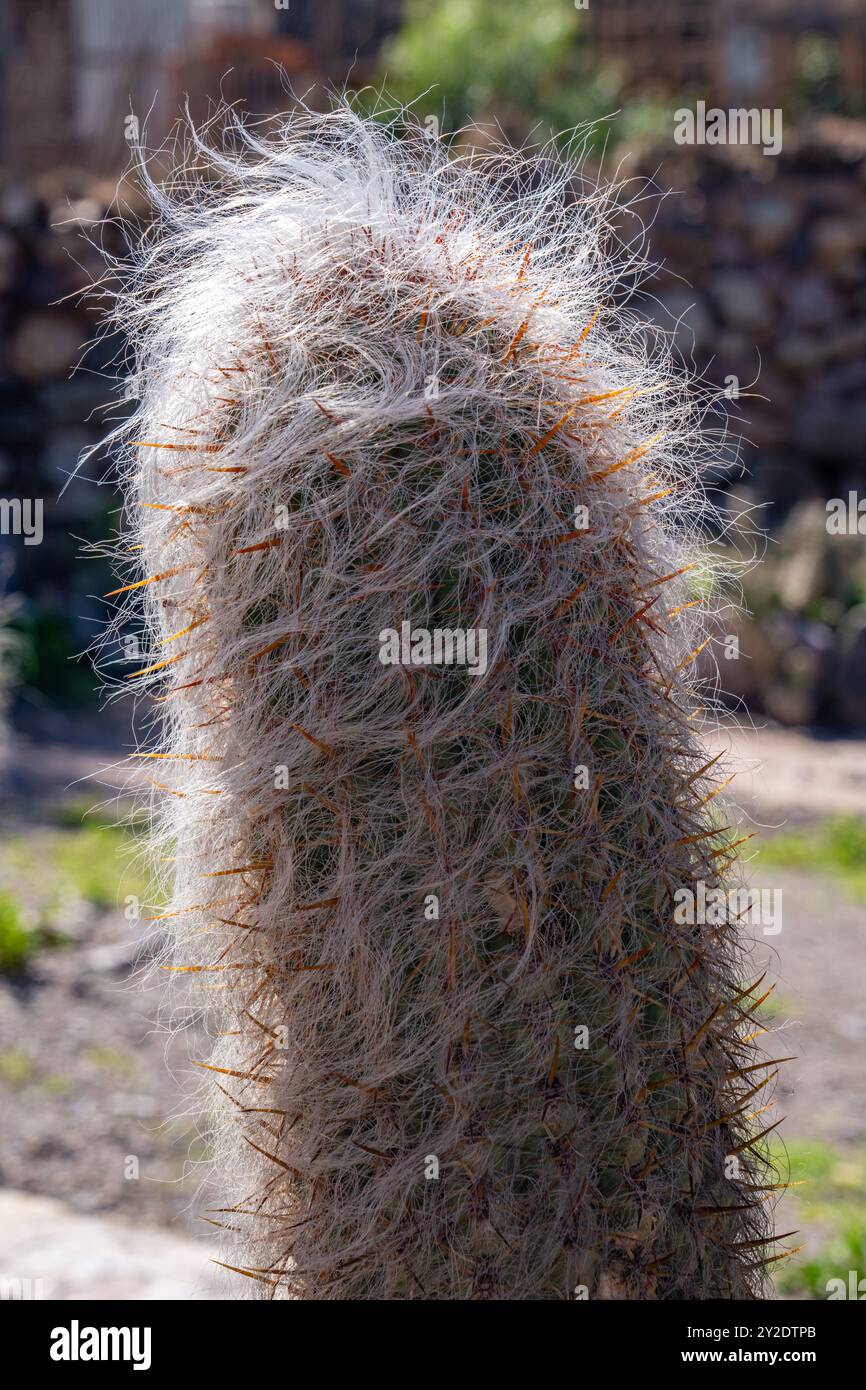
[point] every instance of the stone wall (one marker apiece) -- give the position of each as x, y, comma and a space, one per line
763, 283
765, 276
49, 412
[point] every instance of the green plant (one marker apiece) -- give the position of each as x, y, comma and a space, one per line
16, 1067
835, 846
16, 940
525, 65
102, 863
56, 1085
828, 1197
19, 942
109, 1058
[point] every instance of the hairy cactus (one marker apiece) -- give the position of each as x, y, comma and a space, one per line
463, 1047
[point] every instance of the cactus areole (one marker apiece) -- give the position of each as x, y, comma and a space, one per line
415, 503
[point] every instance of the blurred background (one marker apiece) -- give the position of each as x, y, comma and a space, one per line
760, 277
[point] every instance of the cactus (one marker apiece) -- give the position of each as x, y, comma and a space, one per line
463, 1048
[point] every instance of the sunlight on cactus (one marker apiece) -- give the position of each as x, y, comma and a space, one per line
462, 1047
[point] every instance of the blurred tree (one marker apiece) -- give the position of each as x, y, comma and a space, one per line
521, 63
819, 69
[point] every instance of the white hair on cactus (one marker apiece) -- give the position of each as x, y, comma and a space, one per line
377, 378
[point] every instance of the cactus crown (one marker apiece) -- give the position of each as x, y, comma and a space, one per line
464, 1050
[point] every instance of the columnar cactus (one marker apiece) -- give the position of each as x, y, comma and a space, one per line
463, 1049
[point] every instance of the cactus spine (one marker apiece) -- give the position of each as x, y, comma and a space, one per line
464, 1049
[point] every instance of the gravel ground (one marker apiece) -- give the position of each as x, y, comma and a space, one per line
94, 1105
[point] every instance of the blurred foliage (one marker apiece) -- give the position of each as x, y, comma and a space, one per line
99, 857
109, 1058
42, 657
19, 941
829, 1199
100, 864
16, 1067
836, 846
769, 1008
77, 812
522, 64
818, 77
818, 71
16, 941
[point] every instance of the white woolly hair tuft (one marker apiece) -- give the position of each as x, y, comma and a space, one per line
381, 379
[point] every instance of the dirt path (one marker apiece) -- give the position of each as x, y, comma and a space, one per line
94, 1106
784, 775
49, 1251
818, 965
